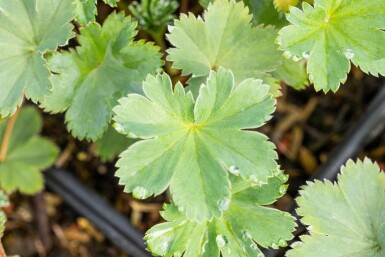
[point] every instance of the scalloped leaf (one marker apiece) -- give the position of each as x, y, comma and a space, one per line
190, 145
29, 28
344, 219
333, 33
88, 81
27, 154
243, 225
204, 45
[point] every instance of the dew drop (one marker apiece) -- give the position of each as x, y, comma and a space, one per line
283, 189
296, 58
140, 193
221, 241
119, 127
349, 53
224, 204
234, 170
254, 246
246, 234
306, 55
275, 246
282, 243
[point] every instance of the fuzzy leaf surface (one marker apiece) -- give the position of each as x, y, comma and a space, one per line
88, 81
334, 33
225, 38
27, 154
237, 232
28, 28
345, 219
190, 146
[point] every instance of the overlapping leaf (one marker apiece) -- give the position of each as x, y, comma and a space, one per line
89, 80
28, 28
86, 9
225, 38
27, 154
244, 224
345, 219
333, 33
190, 145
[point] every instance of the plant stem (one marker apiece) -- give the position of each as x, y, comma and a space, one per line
2, 251
7, 136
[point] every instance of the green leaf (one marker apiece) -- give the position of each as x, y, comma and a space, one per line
86, 10
236, 233
29, 28
89, 80
27, 154
112, 144
264, 12
225, 38
190, 145
292, 73
333, 33
344, 219
3, 218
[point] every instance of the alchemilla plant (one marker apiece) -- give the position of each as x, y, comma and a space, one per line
197, 139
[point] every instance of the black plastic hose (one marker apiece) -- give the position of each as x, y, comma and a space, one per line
88, 204
365, 130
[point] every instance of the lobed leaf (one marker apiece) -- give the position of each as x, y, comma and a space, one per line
190, 146
86, 10
27, 154
29, 28
89, 80
243, 225
331, 34
344, 219
225, 38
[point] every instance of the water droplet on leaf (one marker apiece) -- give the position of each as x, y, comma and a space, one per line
306, 55
246, 234
234, 170
349, 53
224, 204
221, 241
140, 193
254, 246
296, 58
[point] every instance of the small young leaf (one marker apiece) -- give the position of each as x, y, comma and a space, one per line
89, 80
27, 154
292, 73
86, 10
189, 146
344, 219
204, 45
236, 233
333, 33
29, 28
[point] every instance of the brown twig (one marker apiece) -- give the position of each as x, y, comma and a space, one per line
7, 135
2, 251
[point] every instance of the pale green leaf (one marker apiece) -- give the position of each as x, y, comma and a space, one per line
89, 80
27, 154
344, 219
333, 33
85, 11
292, 73
112, 144
29, 28
243, 225
190, 145
225, 38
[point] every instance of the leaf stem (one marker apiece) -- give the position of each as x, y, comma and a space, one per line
2, 251
7, 136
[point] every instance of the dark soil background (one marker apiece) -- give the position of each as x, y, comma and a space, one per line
305, 128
